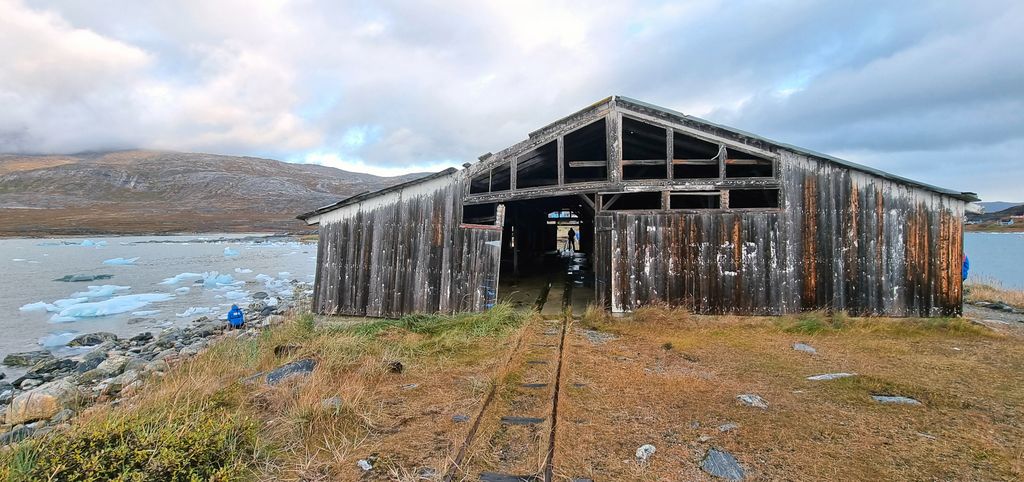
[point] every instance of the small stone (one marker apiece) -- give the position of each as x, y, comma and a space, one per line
394, 366
694, 424
805, 348
830, 376
364, 464
409, 386
92, 339
704, 438
460, 418
752, 400
260, 295
334, 404
30, 383
728, 427
16, 435
898, 400
720, 463
142, 337
27, 358
297, 368
644, 453
168, 353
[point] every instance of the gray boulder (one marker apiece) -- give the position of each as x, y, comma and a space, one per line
720, 463
16, 435
27, 358
44, 402
752, 400
92, 339
297, 368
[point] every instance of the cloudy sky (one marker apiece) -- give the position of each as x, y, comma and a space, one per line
929, 90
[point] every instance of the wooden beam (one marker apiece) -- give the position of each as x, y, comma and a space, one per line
696, 162
643, 162
587, 201
588, 163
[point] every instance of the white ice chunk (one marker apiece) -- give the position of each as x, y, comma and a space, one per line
236, 295
54, 340
38, 306
113, 306
66, 302
214, 279
230, 252
18, 259
121, 261
104, 291
243, 270
181, 277
145, 313
195, 310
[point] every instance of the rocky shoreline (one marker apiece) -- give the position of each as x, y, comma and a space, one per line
54, 389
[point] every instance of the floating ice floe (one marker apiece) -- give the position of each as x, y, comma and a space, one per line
243, 270
18, 259
104, 291
54, 340
37, 306
230, 252
173, 280
112, 306
214, 279
121, 261
145, 313
194, 311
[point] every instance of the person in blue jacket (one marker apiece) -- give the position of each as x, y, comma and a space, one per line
235, 317
965, 268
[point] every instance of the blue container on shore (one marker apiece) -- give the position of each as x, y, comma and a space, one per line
235, 317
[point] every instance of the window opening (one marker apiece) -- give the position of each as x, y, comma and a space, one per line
741, 164
695, 200
481, 183
644, 153
585, 154
694, 158
538, 167
479, 213
753, 198
501, 177
632, 201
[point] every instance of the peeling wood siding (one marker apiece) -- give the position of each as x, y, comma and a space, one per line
405, 253
842, 240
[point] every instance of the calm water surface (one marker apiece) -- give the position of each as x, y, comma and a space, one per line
996, 257
220, 270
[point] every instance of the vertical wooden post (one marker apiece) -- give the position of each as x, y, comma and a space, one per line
670, 151
561, 159
614, 146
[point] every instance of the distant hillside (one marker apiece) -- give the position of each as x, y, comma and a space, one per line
162, 192
995, 206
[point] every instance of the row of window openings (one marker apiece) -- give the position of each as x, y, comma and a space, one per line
644, 156
652, 201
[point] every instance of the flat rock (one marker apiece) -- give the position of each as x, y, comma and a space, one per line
644, 453
722, 464
805, 348
460, 418
27, 358
728, 427
752, 400
92, 339
296, 368
895, 399
44, 402
830, 376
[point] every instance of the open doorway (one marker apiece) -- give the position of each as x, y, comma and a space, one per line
537, 254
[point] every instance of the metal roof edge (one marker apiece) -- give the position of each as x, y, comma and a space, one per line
369, 194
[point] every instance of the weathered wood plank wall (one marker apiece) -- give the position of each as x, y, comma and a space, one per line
405, 252
842, 240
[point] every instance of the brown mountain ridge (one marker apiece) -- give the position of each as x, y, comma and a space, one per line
142, 191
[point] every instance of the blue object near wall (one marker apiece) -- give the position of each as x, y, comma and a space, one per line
235, 317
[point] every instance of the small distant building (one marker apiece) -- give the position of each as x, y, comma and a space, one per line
670, 209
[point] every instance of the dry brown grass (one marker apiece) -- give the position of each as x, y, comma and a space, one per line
991, 291
403, 418
672, 377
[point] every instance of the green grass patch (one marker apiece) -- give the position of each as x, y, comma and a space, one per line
497, 321
198, 446
816, 322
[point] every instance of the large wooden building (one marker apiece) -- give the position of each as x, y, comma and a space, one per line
669, 209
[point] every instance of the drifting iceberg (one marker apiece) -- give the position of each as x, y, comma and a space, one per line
236, 295
121, 261
54, 340
104, 291
38, 306
113, 306
181, 277
230, 252
214, 279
